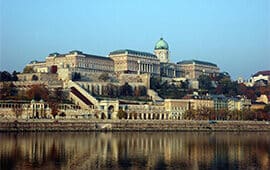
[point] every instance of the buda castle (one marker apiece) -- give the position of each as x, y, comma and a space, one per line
121, 61
99, 86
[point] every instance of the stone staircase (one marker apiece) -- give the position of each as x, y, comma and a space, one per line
81, 97
154, 95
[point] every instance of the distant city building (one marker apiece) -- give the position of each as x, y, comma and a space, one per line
220, 102
265, 75
257, 106
263, 98
261, 78
176, 107
239, 103
240, 80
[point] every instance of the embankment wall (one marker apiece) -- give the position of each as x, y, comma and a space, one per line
130, 125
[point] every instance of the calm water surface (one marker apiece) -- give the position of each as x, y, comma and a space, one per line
133, 150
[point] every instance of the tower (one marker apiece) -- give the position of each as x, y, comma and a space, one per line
162, 51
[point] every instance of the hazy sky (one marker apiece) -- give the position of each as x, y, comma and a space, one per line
234, 34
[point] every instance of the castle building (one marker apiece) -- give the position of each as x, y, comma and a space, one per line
74, 60
131, 61
124, 61
68, 64
167, 69
192, 69
78, 61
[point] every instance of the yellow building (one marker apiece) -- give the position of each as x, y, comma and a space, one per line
176, 107
239, 103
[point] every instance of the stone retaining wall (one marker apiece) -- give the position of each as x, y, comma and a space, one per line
131, 125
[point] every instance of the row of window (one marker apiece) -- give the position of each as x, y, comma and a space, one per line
96, 66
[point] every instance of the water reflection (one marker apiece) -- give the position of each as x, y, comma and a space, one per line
155, 150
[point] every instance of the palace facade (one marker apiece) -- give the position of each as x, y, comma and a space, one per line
193, 69
130, 61
80, 75
124, 61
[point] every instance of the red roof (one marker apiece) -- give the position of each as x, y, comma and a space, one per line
264, 73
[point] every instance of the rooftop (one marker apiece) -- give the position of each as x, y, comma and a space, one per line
196, 62
133, 52
36, 62
96, 56
161, 44
264, 73
76, 52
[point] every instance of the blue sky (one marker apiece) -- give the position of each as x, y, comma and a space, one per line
234, 34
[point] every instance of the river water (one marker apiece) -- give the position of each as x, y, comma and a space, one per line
135, 150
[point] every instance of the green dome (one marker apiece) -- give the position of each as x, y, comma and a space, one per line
161, 44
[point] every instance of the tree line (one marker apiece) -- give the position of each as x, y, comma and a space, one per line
170, 90
37, 92
205, 113
222, 84
123, 91
208, 84
6, 76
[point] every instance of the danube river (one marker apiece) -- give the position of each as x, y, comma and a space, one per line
135, 150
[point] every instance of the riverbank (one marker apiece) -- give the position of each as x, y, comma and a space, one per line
130, 125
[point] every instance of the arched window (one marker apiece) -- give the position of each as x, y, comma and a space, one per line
34, 77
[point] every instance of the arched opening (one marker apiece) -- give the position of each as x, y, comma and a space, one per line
62, 114
34, 77
37, 115
96, 115
110, 111
103, 116
53, 69
135, 115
